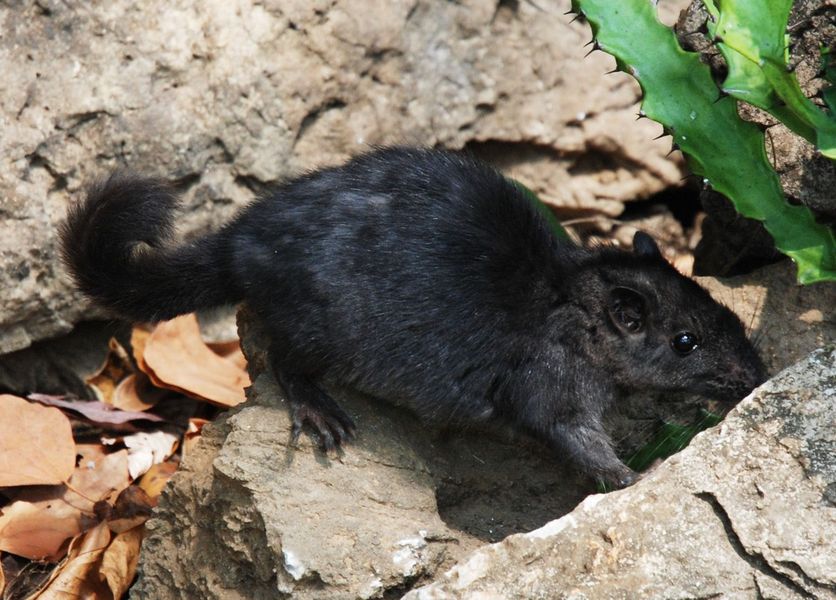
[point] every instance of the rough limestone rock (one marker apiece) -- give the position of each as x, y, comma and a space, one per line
746, 511
247, 516
224, 95
265, 520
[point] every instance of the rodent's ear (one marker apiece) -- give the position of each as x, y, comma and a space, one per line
644, 245
627, 309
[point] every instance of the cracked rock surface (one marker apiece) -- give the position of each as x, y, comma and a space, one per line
222, 96
746, 511
248, 516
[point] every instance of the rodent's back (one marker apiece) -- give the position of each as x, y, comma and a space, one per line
401, 267
406, 269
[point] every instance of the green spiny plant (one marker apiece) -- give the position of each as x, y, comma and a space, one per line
752, 39
730, 153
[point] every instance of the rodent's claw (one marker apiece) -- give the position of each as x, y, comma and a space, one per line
330, 427
623, 479
340, 428
295, 431
629, 479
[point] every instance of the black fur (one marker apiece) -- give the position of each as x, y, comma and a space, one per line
424, 278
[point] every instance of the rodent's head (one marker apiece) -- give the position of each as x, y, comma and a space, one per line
662, 331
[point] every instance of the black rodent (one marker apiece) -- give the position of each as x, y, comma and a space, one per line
425, 278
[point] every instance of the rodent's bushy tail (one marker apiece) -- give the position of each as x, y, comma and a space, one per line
117, 245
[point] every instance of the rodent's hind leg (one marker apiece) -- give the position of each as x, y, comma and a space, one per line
589, 447
308, 404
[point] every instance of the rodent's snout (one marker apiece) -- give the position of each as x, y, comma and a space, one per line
743, 378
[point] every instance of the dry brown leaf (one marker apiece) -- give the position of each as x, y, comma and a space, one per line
41, 519
230, 351
120, 560
136, 393
116, 367
155, 479
132, 508
139, 335
175, 357
99, 474
103, 415
36, 444
78, 576
193, 433
36, 530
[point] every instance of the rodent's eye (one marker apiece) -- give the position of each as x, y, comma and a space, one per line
685, 342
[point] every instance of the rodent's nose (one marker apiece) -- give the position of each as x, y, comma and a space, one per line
747, 377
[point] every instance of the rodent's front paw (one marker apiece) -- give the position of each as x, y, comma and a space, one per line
330, 428
622, 479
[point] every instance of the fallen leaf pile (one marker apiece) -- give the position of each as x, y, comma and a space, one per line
78, 479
